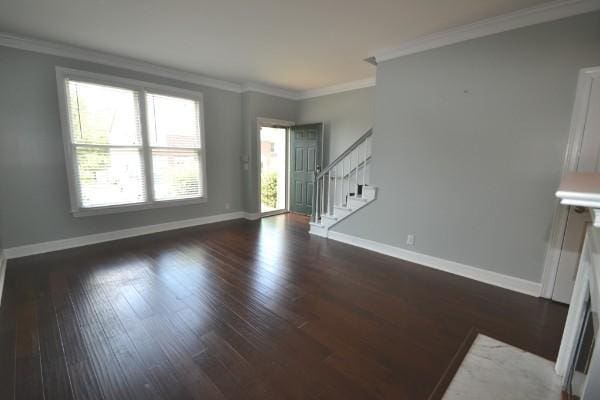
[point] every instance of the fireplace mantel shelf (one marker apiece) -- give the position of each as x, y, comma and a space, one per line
581, 189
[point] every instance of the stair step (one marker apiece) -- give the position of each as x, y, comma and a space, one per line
343, 208
342, 212
318, 229
328, 220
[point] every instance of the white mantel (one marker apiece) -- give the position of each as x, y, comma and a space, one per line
581, 189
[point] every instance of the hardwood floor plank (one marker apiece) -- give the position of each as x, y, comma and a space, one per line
57, 382
29, 380
167, 383
111, 378
181, 357
8, 340
84, 382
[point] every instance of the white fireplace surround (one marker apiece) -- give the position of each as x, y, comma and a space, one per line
583, 189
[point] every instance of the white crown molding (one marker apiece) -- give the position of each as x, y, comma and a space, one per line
492, 278
270, 90
529, 16
308, 94
55, 245
344, 87
78, 53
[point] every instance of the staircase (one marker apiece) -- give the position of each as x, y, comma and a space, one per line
343, 187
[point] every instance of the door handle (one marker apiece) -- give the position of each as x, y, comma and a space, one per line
579, 209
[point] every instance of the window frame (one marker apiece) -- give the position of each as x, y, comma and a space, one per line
62, 74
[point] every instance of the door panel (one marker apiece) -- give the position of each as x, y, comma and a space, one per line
298, 193
577, 219
312, 159
299, 159
306, 142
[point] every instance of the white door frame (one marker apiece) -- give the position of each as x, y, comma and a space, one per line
271, 122
571, 159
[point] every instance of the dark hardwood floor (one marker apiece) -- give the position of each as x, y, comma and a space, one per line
246, 310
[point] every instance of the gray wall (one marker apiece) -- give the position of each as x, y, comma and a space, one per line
33, 193
469, 141
346, 116
255, 105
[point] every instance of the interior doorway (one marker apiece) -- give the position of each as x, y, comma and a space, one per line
273, 148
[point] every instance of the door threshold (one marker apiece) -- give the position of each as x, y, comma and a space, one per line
272, 213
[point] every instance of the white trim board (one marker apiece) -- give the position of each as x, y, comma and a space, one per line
55, 245
2, 273
270, 90
82, 54
308, 94
544, 12
344, 87
492, 278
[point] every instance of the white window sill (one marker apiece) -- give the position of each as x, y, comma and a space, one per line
88, 212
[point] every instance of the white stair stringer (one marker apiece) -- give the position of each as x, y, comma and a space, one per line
320, 228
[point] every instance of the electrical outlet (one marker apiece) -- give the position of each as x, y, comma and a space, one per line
227, 206
410, 240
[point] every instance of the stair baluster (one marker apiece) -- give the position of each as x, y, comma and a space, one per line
356, 173
335, 173
364, 168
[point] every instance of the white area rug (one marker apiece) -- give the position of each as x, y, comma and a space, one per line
497, 371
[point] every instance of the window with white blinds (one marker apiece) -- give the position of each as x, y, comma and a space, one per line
129, 144
175, 145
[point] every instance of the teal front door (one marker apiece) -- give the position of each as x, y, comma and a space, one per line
305, 151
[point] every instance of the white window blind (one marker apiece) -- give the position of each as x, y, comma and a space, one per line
130, 145
174, 133
107, 144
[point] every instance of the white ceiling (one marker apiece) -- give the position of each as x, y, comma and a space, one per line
292, 44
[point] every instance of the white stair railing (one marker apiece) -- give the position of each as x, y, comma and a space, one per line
343, 179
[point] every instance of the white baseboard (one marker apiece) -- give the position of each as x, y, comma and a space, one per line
493, 278
2, 273
252, 216
55, 245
